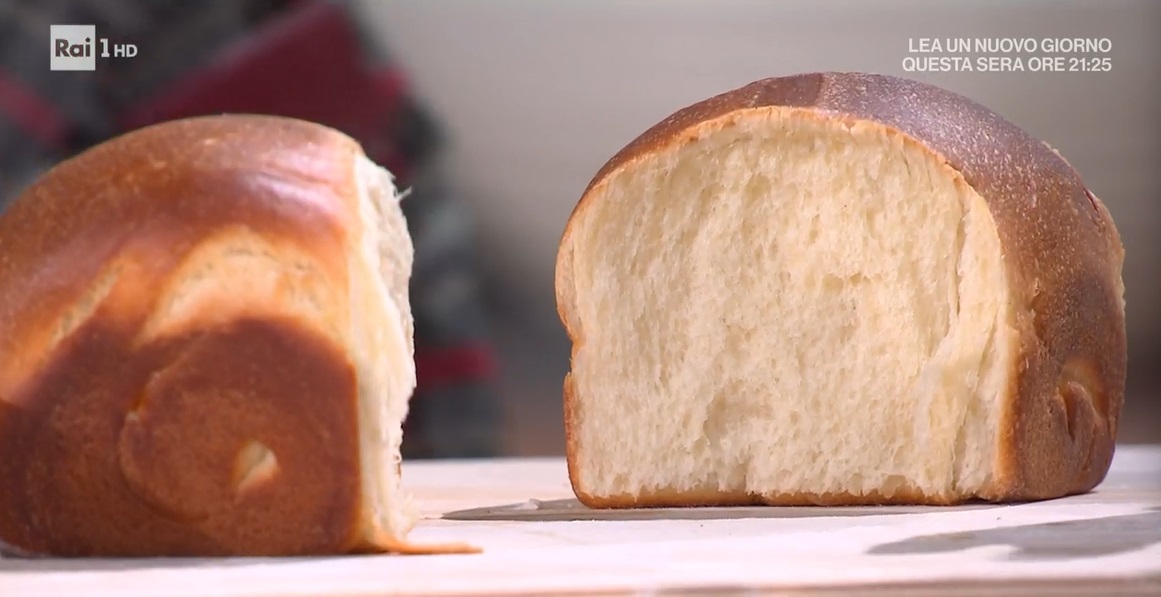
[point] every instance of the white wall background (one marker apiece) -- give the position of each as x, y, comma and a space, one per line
537, 94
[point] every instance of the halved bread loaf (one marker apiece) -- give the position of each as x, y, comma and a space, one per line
839, 288
206, 347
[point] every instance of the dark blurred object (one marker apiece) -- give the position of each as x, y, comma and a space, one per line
291, 58
306, 62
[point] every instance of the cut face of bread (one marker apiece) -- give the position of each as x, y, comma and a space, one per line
382, 349
808, 311
839, 289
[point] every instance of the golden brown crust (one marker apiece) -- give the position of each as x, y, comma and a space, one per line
119, 442
124, 451
1062, 252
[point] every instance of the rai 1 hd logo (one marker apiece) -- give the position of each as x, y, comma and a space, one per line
77, 47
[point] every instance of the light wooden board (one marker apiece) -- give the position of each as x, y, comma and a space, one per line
537, 540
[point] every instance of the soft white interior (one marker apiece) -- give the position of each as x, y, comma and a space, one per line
790, 305
382, 348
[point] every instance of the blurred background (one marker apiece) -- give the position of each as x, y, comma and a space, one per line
498, 113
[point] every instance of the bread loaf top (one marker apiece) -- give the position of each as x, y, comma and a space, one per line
1062, 254
153, 194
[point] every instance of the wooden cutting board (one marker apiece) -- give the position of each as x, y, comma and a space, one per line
538, 540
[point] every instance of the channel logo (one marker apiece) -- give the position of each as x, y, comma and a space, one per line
77, 47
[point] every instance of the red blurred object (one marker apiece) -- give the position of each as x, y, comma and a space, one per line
36, 118
308, 64
473, 362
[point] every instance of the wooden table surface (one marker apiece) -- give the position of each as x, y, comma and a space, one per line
538, 540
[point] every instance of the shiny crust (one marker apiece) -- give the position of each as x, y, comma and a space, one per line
1062, 253
119, 439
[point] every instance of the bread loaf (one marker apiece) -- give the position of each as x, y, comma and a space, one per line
206, 347
839, 289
